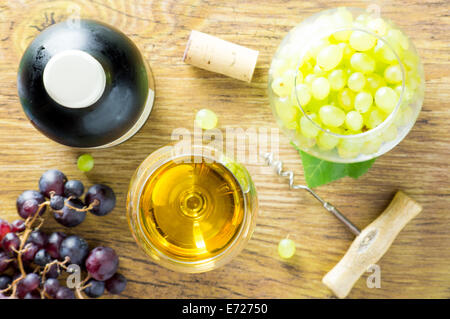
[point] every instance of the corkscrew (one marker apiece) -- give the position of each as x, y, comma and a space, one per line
369, 245
278, 166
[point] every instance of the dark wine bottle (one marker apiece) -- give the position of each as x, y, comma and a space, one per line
85, 85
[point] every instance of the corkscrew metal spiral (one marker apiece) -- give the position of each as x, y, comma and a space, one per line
278, 166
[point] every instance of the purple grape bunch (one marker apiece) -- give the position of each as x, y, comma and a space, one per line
31, 261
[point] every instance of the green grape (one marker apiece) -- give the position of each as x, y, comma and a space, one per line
85, 163
318, 46
384, 53
356, 81
407, 93
329, 57
307, 127
326, 141
351, 144
378, 26
349, 148
354, 121
282, 86
331, 115
309, 79
386, 99
363, 101
279, 87
413, 80
346, 49
337, 80
376, 117
410, 59
344, 153
407, 115
242, 177
342, 35
372, 146
393, 74
320, 88
390, 133
286, 248
362, 41
303, 94
303, 141
396, 36
362, 62
318, 71
346, 98
374, 81
206, 119
287, 112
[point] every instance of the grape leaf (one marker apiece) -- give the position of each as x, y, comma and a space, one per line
319, 172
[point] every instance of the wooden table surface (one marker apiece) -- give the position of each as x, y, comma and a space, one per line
418, 263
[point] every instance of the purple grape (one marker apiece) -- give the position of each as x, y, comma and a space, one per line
5, 281
74, 247
52, 181
42, 258
51, 287
74, 188
96, 288
105, 197
69, 217
5, 228
54, 243
5, 261
64, 293
102, 263
39, 238
30, 252
53, 272
18, 226
28, 204
33, 295
10, 243
28, 284
116, 284
57, 202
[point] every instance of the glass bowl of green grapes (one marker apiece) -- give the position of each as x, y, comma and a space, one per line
346, 85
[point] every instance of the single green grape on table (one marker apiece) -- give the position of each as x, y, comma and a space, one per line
85, 162
206, 119
286, 248
346, 83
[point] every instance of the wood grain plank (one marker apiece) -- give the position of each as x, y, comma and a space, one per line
418, 263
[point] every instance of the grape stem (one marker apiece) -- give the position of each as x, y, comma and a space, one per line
22, 247
83, 286
47, 267
84, 209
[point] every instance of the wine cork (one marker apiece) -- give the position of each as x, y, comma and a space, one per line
216, 55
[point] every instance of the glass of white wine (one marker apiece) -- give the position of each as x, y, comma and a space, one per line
191, 209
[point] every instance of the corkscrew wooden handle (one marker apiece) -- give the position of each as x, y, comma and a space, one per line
371, 244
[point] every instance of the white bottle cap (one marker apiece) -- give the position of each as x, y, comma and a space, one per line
74, 79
